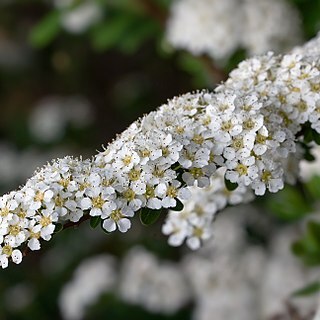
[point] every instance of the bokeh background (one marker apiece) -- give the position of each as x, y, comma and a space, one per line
73, 73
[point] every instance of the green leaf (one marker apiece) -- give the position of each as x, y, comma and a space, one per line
308, 135
46, 30
108, 34
230, 185
309, 156
309, 289
179, 206
58, 227
95, 221
316, 137
308, 247
288, 204
149, 216
313, 187
139, 32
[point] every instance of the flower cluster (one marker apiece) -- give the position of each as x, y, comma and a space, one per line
218, 28
242, 134
78, 17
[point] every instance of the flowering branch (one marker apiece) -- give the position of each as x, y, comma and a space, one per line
235, 142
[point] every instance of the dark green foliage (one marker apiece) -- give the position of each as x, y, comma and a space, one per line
149, 216
308, 247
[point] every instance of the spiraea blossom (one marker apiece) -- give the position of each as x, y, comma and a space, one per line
78, 17
218, 28
232, 143
204, 26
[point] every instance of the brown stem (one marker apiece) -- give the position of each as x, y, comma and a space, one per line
217, 74
67, 225
156, 12
71, 224
153, 10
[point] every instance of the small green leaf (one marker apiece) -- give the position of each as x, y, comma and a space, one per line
309, 289
316, 137
313, 187
58, 227
109, 33
46, 30
309, 156
230, 185
149, 216
289, 204
308, 247
94, 222
179, 206
308, 135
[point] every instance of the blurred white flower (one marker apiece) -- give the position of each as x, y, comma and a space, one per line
19, 296
49, 119
283, 274
270, 25
218, 28
13, 54
158, 286
79, 18
93, 277
204, 26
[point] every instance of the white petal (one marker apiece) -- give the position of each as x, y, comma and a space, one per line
86, 203
109, 225
16, 256
193, 243
34, 244
124, 224
3, 261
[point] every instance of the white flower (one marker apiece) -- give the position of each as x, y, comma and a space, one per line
191, 23
118, 218
169, 193
8, 252
80, 18
176, 228
200, 231
98, 203
125, 159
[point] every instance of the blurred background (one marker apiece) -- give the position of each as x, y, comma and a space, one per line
73, 73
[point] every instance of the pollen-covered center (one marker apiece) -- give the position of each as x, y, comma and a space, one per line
150, 192
116, 215
226, 125
196, 172
97, 202
34, 235
64, 182
242, 169
261, 139
129, 194
237, 144
45, 221
197, 138
14, 230
4, 211
7, 250
127, 160
165, 151
59, 201
39, 196
198, 232
172, 192
134, 174
158, 173
266, 176
249, 124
